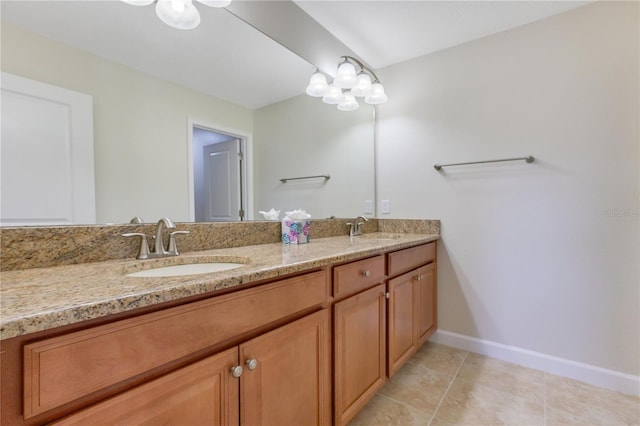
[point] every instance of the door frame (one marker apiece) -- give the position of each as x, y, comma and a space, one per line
246, 169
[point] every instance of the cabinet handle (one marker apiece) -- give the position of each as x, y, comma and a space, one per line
252, 363
236, 371
366, 273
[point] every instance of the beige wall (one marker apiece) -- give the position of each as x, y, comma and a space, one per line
318, 139
543, 257
140, 124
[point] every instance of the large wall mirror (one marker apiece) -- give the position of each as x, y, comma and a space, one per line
151, 84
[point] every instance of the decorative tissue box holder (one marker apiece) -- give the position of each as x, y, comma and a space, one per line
295, 232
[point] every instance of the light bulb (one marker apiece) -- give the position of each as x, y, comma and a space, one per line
333, 96
346, 76
216, 3
348, 103
177, 6
364, 85
317, 85
180, 14
377, 95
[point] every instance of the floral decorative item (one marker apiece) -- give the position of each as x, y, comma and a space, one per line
296, 227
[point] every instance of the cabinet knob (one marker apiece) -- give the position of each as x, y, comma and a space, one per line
387, 295
236, 371
252, 363
366, 273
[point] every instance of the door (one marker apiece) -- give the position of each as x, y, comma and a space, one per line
402, 314
359, 352
287, 375
426, 315
221, 186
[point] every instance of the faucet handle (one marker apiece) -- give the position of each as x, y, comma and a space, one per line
143, 253
173, 248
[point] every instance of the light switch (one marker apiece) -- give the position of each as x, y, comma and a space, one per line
384, 206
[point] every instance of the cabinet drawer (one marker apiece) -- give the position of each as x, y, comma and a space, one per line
407, 259
355, 276
64, 368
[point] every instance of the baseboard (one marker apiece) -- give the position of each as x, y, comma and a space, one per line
597, 376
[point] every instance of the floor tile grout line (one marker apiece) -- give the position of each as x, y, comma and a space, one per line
444, 395
544, 397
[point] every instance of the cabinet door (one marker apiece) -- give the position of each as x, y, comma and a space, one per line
201, 393
425, 290
287, 374
359, 352
402, 320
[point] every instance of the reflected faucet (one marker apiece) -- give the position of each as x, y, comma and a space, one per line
356, 226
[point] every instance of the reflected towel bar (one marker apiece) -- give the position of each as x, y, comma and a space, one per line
528, 159
325, 177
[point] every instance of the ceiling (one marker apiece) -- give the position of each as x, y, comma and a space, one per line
228, 59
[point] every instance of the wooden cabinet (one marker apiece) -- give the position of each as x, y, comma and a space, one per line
426, 302
202, 393
290, 381
402, 321
312, 350
284, 379
359, 337
118, 366
412, 305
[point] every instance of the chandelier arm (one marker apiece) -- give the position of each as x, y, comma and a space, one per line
362, 67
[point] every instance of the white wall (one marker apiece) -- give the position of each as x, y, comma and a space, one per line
318, 139
140, 124
541, 257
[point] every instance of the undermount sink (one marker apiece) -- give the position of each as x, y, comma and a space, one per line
178, 267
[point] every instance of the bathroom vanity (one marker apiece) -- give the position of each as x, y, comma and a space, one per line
298, 335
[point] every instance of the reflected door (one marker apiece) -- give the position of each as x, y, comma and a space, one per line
220, 196
47, 154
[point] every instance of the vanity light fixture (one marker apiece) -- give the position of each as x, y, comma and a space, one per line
352, 80
180, 14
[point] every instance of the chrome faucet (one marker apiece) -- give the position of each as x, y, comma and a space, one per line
355, 227
164, 222
159, 248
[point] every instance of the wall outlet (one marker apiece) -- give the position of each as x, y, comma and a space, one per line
368, 207
384, 207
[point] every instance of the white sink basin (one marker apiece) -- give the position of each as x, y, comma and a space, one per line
188, 269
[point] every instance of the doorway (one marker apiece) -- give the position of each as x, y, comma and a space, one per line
218, 166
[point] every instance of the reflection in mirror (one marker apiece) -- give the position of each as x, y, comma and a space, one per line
142, 120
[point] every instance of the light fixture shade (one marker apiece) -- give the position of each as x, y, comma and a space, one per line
349, 103
363, 87
138, 2
318, 85
377, 95
333, 96
216, 3
180, 14
346, 76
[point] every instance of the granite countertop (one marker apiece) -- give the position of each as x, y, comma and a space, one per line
38, 299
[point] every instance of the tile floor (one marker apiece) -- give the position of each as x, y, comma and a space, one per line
445, 386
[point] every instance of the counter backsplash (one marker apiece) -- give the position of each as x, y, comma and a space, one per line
39, 247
